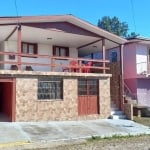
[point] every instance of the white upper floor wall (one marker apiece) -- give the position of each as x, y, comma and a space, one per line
141, 59
43, 49
135, 59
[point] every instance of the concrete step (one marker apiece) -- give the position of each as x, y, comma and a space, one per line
118, 117
118, 112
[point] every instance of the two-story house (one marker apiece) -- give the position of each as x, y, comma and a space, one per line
44, 71
136, 70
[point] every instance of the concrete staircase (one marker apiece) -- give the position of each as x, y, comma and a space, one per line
116, 113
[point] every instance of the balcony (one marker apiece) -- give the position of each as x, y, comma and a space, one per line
47, 63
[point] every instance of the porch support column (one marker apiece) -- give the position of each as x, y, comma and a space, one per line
122, 77
103, 52
19, 47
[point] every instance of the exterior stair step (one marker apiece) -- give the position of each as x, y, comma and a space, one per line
118, 117
116, 113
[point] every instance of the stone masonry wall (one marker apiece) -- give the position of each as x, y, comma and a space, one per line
104, 101
115, 83
28, 108
128, 110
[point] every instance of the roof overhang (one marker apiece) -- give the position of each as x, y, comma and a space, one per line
140, 40
65, 18
45, 36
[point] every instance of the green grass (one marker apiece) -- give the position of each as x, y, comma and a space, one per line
142, 120
116, 136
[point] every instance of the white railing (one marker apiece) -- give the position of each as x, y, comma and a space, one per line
142, 68
129, 93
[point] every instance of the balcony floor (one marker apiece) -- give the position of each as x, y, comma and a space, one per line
36, 73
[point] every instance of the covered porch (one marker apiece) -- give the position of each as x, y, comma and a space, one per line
12, 56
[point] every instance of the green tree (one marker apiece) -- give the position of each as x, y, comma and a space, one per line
132, 35
114, 25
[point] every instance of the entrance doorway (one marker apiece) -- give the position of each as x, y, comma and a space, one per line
7, 99
88, 99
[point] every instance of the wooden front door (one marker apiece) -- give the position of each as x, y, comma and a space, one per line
88, 100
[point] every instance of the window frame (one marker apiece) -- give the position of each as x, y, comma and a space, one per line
85, 87
35, 49
51, 90
59, 53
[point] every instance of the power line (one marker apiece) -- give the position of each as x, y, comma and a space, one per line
133, 14
17, 14
16, 7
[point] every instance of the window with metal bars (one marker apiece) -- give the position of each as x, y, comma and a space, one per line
87, 87
50, 89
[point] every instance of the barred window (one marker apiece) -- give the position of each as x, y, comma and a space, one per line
50, 89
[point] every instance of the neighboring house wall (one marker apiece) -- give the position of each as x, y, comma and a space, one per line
43, 49
129, 61
143, 92
129, 67
141, 58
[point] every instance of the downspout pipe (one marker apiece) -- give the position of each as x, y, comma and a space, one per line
122, 77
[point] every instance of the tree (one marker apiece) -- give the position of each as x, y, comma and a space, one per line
132, 35
115, 26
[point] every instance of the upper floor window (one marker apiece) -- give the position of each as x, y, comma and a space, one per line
29, 48
60, 51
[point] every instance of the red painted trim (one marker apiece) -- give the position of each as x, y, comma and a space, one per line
13, 96
104, 55
53, 58
13, 117
6, 79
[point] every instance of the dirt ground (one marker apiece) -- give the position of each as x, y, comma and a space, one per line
125, 143
132, 143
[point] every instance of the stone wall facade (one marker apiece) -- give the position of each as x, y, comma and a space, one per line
115, 83
29, 108
105, 101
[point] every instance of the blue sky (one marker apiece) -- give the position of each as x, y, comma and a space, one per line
89, 10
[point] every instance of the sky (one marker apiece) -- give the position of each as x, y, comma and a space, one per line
134, 12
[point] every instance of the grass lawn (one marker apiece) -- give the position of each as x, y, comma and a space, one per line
142, 120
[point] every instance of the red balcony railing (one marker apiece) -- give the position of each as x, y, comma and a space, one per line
97, 66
